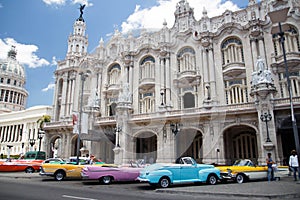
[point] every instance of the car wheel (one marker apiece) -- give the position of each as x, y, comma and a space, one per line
29, 170
212, 179
106, 180
240, 178
59, 175
164, 182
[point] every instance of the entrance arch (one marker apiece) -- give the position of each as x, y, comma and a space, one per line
146, 147
74, 145
189, 143
240, 142
55, 147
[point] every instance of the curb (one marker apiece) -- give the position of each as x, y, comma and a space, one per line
232, 195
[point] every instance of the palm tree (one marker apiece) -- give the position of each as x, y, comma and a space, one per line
42, 120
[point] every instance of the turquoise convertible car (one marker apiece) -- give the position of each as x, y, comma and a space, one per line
185, 170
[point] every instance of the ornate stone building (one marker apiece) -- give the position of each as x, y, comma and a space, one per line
214, 89
18, 126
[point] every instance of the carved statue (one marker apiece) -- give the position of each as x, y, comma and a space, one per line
81, 10
125, 95
261, 75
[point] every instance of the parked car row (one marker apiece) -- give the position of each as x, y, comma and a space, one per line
184, 170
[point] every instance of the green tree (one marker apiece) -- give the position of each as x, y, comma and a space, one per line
42, 120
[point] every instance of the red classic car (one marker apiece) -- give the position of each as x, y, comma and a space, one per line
30, 163
29, 166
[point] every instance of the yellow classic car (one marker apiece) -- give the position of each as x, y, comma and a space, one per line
66, 169
245, 170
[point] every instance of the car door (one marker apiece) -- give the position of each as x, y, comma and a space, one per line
188, 172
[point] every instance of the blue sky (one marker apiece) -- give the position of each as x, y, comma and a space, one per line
40, 28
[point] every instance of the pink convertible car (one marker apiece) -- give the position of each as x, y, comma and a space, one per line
107, 174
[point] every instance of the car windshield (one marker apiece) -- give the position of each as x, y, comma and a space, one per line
243, 163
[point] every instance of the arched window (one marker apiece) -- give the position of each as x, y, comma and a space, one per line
147, 68
188, 100
147, 103
291, 41
114, 74
112, 109
236, 91
186, 60
292, 47
232, 51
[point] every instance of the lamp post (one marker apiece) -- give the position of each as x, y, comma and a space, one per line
175, 128
118, 129
266, 117
279, 16
31, 142
162, 97
83, 76
40, 137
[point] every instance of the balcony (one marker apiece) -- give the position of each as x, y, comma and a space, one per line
189, 76
147, 83
110, 88
234, 69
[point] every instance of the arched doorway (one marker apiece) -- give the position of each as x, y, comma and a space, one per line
55, 147
286, 136
189, 143
74, 145
240, 142
146, 147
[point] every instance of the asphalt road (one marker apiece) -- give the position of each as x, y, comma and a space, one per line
39, 188
34, 187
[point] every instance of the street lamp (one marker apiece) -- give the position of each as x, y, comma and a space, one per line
279, 16
266, 117
162, 97
83, 76
31, 142
40, 137
175, 128
118, 129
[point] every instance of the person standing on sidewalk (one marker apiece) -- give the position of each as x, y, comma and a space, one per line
270, 162
293, 163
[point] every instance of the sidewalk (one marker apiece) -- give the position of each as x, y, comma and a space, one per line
286, 188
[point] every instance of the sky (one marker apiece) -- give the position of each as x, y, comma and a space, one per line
39, 30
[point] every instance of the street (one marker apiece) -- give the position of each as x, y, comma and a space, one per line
38, 188
34, 187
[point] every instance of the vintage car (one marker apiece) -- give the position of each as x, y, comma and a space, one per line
244, 170
65, 169
185, 170
28, 163
28, 166
108, 174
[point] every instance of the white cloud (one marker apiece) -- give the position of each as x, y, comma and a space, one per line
54, 2
49, 87
153, 18
54, 61
86, 2
63, 2
26, 53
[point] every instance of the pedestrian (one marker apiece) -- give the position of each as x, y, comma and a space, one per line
270, 162
92, 159
293, 163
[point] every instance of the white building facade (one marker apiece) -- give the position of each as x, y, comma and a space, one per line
200, 89
18, 126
